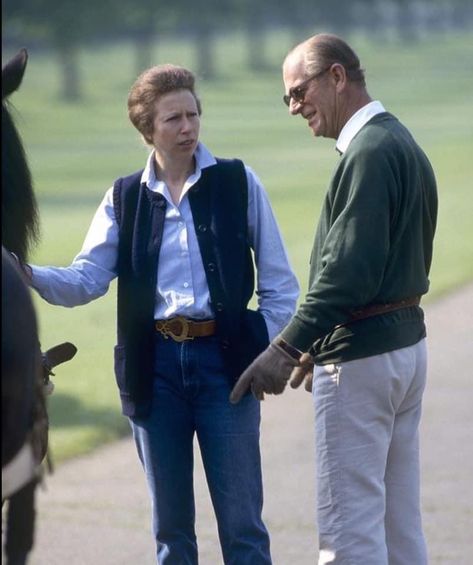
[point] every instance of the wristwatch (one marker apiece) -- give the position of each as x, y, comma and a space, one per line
288, 348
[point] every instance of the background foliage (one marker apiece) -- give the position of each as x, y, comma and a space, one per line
77, 146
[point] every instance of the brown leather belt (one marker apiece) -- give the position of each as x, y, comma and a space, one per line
182, 329
376, 309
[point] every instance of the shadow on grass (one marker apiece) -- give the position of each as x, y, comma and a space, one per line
68, 411
70, 199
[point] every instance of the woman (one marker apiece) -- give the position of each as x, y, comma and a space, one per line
179, 236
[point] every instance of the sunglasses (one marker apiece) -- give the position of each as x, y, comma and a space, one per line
297, 93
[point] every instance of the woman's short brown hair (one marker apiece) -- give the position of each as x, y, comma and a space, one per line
149, 87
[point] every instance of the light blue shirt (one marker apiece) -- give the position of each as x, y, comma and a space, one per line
181, 287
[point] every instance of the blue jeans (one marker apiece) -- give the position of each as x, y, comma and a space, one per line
190, 396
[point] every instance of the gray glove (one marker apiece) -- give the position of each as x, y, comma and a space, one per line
304, 372
268, 373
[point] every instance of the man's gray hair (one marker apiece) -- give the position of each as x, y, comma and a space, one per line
324, 49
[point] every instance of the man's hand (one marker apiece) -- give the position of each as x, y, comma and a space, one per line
304, 372
268, 373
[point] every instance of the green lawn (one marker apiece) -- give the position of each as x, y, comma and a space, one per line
76, 151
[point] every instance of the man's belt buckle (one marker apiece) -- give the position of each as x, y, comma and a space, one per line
166, 327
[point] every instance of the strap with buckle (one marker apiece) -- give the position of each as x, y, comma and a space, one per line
181, 329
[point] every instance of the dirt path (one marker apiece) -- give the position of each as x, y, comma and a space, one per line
95, 510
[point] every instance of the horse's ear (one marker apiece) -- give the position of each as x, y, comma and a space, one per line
13, 71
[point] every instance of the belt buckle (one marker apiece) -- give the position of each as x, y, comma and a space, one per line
167, 331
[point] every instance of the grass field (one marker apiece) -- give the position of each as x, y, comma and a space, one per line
76, 151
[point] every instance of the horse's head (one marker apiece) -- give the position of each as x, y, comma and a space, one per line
12, 73
19, 209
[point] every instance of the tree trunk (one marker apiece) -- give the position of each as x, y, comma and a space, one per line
69, 64
256, 36
407, 24
144, 52
204, 53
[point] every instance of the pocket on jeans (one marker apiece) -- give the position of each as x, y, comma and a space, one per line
326, 376
210, 356
328, 370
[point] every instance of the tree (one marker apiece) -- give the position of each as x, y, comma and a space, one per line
65, 25
142, 21
202, 18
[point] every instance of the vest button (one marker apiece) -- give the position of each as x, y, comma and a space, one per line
211, 267
202, 227
219, 307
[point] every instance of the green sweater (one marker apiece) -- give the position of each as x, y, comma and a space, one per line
373, 245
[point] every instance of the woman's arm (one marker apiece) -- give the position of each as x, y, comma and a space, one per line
90, 273
277, 287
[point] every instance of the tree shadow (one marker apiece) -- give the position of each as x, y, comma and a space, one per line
68, 411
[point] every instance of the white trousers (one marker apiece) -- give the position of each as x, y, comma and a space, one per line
367, 415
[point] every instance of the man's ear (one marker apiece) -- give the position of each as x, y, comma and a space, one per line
339, 76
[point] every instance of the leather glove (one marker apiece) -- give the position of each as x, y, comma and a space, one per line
268, 373
304, 372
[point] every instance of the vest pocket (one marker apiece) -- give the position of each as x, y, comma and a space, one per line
119, 364
253, 336
129, 406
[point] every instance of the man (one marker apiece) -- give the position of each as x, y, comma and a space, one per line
360, 323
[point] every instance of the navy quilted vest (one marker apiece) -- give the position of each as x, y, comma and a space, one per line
219, 203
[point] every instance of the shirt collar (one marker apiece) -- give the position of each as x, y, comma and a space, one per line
356, 122
203, 159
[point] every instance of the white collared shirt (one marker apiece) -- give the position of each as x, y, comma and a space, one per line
356, 122
181, 285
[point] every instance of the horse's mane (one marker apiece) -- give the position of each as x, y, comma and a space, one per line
20, 224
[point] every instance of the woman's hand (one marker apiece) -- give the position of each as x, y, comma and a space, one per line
24, 267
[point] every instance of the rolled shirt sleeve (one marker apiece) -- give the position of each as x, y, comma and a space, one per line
277, 288
89, 275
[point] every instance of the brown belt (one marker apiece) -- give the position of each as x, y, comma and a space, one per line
181, 329
375, 309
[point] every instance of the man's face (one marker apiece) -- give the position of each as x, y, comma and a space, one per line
317, 98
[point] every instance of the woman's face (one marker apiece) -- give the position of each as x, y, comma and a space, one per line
176, 125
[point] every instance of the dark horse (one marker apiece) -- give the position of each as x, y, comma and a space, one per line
25, 369
21, 355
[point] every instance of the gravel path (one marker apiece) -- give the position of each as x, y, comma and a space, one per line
95, 510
